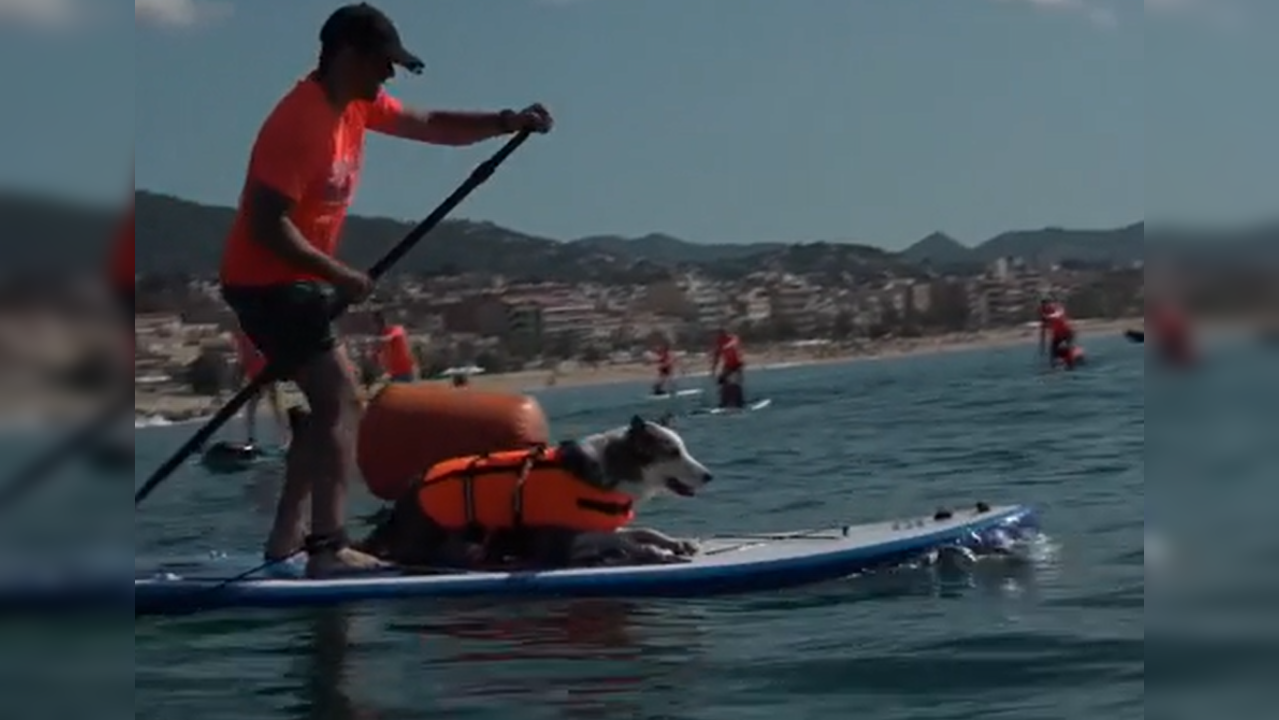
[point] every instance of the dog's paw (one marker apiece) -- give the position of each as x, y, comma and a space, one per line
686, 548
652, 555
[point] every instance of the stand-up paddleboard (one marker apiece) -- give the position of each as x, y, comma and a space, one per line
750, 407
725, 564
1135, 336
690, 392
229, 457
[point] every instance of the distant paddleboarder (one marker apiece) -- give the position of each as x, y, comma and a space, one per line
1170, 330
665, 384
252, 363
1057, 335
727, 359
396, 355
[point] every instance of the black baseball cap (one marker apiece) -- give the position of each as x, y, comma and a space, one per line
367, 29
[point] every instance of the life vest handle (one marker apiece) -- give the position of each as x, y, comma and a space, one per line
517, 497
474, 531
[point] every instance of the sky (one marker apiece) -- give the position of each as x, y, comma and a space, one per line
875, 121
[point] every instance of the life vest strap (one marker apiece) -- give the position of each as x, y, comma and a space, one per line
476, 532
607, 508
517, 497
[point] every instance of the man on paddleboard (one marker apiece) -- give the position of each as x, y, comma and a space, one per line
1056, 328
727, 358
279, 271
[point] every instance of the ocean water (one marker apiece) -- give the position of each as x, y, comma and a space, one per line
1063, 638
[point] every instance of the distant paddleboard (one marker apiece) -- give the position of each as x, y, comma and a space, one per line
1135, 336
752, 407
227, 457
690, 392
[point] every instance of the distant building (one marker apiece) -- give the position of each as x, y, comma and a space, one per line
921, 298
1000, 270
710, 304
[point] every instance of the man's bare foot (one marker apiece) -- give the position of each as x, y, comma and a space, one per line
332, 563
282, 545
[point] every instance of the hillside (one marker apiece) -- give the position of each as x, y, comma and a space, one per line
463, 246
42, 235
939, 250
669, 250
1123, 246
176, 235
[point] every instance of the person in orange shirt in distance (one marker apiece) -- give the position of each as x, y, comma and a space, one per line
396, 356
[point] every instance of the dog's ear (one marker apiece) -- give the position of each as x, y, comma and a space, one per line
638, 425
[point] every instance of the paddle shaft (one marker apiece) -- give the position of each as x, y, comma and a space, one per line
274, 371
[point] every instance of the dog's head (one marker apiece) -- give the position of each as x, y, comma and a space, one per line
646, 459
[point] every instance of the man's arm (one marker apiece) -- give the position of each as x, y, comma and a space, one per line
268, 212
441, 127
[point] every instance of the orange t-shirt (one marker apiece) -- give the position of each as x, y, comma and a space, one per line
728, 350
397, 358
122, 254
312, 154
1053, 317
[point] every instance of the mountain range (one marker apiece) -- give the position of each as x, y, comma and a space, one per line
468, 246
174, 235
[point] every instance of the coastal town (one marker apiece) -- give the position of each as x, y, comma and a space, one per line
498, 326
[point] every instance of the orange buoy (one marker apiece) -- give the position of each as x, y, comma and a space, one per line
407, 428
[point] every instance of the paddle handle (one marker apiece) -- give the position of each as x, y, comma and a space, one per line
274, 371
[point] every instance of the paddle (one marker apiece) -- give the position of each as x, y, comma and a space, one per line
273, 372
1135, 336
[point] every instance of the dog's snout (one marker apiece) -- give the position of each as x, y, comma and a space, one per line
706, 478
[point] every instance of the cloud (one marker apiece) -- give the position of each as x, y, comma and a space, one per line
40, 13
1220, 13
178, 13
1099, 15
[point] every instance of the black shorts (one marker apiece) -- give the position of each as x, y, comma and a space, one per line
731, 375
288, 323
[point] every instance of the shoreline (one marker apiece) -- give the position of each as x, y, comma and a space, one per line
153, 409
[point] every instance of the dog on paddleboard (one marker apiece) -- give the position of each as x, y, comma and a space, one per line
641, 460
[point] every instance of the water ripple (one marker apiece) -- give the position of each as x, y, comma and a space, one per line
1059, 638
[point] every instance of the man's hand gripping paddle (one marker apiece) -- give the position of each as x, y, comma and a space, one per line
273, 372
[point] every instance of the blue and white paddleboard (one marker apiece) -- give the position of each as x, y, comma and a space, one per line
726, 564
750, 407
690, 392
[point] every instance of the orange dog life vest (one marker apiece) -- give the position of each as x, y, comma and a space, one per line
515, 488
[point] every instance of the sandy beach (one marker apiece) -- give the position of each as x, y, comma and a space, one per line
152, 407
